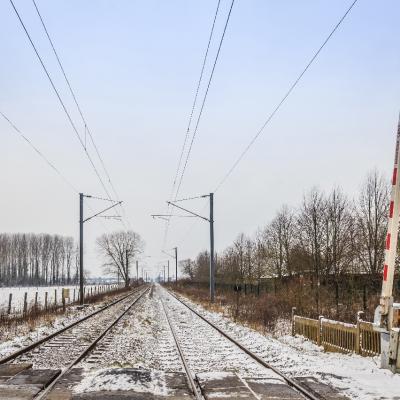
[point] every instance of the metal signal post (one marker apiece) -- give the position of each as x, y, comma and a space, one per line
212, 262
81, 288
81, 222
176, 264
212, 256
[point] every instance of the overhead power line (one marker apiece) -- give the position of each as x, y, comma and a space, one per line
284, 98
201, 108
187, 134
195, 99
204, 99
41, 155
275, 110
77, 104
47, 161
60, 99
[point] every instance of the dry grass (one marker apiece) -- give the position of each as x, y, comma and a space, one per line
256, 312
264, 311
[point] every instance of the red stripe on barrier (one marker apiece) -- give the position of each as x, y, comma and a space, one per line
391, 209
394, 179
388, 241
385, 271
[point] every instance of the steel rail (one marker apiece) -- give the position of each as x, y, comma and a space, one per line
180, 351
89, 348
30, 347
288, 380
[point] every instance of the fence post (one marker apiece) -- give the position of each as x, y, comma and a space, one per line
63, 299
293, 325
9, 304
358, 332
36, 302
319, 339
45, 300
25, 303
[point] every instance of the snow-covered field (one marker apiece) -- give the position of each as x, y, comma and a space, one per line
18, 294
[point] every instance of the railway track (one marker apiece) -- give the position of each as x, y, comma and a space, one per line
65, 348
304, 391
45, 340
189, 374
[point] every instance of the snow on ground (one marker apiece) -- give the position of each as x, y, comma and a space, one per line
24, 334
142, 339
359, 377
205, 349
119, 380
18, 294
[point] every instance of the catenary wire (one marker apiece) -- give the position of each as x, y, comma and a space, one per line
44, 158
191, 198
195, 99
276, 109
201, 111
78, 107
204, 99
59, 98
284, 98
187, 134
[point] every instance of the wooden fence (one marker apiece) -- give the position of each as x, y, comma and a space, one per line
339, 336
31, 304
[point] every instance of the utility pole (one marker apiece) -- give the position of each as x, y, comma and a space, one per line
137, 271
81, 222
176, 265
127, 267
164, 273
212, 263
81, 297
211, 222
168, 271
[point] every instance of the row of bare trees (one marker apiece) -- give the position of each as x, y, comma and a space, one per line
328, 235
37, 259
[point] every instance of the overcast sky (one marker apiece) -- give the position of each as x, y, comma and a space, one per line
134, 66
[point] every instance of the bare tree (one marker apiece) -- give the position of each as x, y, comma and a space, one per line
372, 210
311, 233
187, 266
338, 247
279, 238
119, 250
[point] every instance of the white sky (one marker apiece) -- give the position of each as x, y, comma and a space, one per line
134, 67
